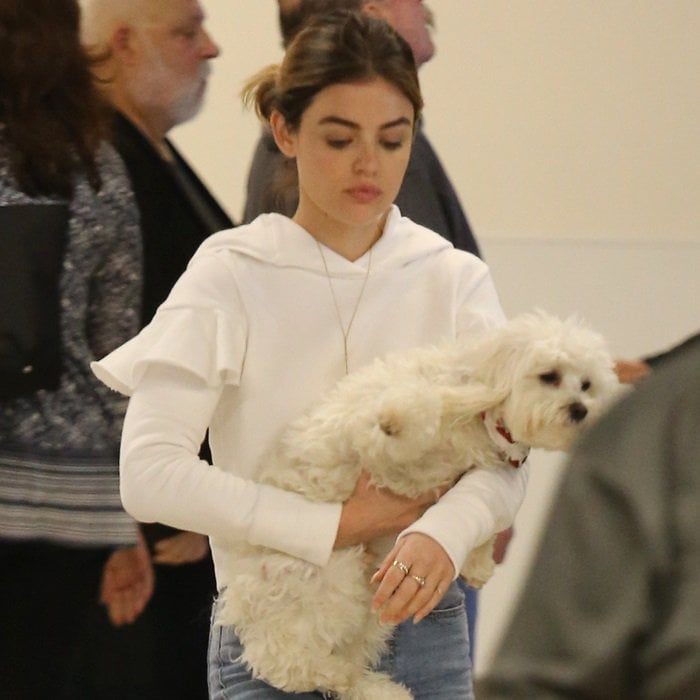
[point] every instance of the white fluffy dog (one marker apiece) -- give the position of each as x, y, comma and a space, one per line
415, 421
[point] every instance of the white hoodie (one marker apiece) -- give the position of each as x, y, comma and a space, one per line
249, 339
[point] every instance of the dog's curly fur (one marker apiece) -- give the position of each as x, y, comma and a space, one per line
415, 421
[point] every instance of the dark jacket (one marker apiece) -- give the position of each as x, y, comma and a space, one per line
172, 223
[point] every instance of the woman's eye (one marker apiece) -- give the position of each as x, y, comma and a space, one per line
392, 145
338, 143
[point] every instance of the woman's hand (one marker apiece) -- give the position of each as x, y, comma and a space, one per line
412, 579
370, 513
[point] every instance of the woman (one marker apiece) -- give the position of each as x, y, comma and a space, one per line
60, 513
270, 315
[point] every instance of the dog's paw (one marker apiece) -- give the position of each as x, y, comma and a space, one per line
476, 581
480, 566
376, 686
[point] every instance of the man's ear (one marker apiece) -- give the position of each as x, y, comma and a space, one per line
121, 43
284, 138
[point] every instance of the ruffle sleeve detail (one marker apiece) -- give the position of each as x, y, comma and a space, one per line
203, 341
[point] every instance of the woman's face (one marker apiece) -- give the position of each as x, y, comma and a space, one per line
352, 148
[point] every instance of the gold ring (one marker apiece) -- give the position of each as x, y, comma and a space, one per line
401, 567
420, 580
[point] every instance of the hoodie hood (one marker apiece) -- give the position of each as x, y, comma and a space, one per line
276, 240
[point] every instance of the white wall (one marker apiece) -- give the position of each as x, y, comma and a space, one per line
556, 118
571, 129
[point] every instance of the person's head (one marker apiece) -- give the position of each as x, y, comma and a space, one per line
410, 18
344, 103
294, 15
48, 103
157, 58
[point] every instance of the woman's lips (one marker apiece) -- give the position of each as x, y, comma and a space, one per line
364, 193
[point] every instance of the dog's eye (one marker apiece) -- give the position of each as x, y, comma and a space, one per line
553, 378
585, 385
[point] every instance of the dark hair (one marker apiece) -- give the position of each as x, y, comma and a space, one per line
294, 20
341, 47
53, 115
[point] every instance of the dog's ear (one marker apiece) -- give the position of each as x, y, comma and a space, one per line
465, 402
495, 361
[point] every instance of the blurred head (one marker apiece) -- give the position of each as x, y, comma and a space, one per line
410, 18
294, 15
48, 102
157, 58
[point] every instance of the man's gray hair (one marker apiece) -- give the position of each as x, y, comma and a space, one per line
99, 18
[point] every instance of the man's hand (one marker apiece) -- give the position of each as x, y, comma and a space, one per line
127, 583
631, 371
183, 548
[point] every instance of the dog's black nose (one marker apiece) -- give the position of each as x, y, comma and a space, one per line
577, 412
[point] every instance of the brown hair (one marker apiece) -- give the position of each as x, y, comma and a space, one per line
341, 47
53, 115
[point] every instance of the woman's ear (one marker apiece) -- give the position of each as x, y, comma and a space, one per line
284, 138
374, 9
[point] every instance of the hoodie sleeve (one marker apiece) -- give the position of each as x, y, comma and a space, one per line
201, 329
175, 371
163, 479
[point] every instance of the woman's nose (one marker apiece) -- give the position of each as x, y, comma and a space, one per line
367, 160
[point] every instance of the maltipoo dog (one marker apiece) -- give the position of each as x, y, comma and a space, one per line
415, 421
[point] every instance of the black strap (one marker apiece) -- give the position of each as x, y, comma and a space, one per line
32, 246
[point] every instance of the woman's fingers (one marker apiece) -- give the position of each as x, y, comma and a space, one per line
413, 579
419, 609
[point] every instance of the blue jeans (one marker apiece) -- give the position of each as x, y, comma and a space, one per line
431, 659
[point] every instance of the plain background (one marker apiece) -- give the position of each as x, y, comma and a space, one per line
571, 130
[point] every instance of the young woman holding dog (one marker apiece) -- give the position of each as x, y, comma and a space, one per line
270, 315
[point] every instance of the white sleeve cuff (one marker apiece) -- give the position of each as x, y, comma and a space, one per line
481, 504
292, 524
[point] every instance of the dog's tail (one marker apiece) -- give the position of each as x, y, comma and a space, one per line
405, 423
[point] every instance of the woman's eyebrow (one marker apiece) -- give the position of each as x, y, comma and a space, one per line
331, 119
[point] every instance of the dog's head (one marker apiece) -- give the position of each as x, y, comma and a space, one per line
557, 376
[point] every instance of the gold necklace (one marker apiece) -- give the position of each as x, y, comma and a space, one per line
343, 330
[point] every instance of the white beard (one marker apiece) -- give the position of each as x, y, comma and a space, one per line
161, 89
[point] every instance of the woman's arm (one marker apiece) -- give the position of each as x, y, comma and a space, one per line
163, 480
482, 503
